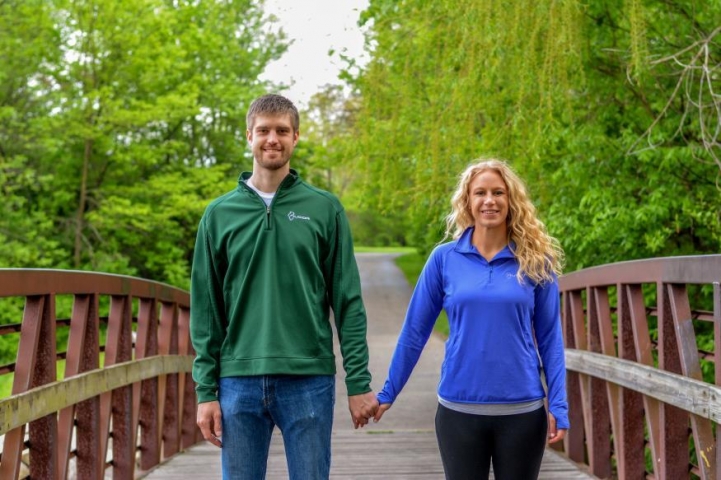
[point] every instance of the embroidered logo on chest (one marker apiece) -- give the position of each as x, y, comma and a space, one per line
294, 216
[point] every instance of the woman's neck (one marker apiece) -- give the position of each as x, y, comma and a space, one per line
489, 242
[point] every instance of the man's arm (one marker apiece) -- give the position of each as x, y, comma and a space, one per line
206, 333
351, 324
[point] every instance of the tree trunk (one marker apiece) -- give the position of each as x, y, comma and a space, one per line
80, 219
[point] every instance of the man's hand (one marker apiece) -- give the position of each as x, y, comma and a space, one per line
362, 407
209, 420
554, 434
381, 410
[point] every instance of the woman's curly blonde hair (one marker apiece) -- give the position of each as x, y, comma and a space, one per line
539, 254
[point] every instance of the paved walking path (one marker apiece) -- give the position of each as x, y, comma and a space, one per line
402, 445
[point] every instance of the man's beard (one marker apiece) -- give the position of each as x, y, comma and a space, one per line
279, 161
274, 164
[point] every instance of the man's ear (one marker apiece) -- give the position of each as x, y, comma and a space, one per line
296, 136
249, 136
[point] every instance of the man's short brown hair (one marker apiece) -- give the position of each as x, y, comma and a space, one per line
272, 104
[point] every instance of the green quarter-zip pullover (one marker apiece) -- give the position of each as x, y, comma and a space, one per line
264, 280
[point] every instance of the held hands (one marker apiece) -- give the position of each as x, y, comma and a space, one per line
209, 421
554, 434
362, 407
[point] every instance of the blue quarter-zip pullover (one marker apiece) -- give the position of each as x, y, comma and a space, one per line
498, 329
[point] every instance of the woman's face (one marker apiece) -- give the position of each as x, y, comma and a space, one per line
488, 196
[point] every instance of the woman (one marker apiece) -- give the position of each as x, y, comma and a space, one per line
497, 281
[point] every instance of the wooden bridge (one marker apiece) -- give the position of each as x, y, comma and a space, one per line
101, 383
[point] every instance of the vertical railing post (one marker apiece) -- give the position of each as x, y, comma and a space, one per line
630, 458
145, 406
118, 404
82, 421
42, 433
189, 430
642, 341
673, 454
35, 366
691, 367
574, 443
599, 455
168, 344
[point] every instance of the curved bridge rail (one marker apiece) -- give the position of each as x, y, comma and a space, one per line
643, 357
126, 400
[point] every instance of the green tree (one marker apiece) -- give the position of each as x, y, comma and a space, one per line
142, 107
448, 81
637, 173
609, 111
329, 157
27, 47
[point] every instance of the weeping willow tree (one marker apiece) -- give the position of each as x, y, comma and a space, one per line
608, 109
451, 79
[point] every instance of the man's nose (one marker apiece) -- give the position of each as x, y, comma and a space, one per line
272, 137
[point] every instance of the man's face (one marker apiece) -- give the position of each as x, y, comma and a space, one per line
272, 140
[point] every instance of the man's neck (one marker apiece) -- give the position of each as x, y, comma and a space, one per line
268, 181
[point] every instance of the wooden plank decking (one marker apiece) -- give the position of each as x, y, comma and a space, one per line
362, 456
403, 444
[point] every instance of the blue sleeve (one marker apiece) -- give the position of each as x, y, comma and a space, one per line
425, 305
549, 337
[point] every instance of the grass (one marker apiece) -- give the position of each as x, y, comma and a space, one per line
6, 381
6, 385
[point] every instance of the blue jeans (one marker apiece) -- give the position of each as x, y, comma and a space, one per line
302, 408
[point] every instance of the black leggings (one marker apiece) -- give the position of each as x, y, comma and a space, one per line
469, 443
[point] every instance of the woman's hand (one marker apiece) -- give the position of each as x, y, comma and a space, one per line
554, 434
381, 410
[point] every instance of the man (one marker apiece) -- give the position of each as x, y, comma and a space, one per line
272, 257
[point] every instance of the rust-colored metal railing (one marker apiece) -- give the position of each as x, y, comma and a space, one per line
643, 356
125, 401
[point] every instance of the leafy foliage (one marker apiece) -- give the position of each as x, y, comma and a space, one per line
609, 111
118, 122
